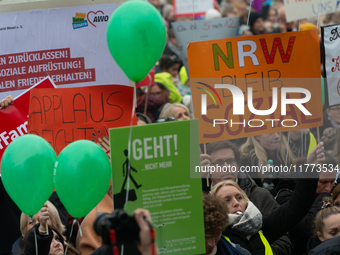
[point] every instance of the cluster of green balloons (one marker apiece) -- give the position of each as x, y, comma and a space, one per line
31, 171
136, 38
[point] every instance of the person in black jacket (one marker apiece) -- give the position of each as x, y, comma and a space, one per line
302, 232
246, 221
327, 230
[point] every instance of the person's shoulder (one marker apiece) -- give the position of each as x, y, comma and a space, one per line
330, 246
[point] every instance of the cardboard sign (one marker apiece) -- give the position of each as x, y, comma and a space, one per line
62, 116
331, 56
299, 9
162, 157
14, 118
232, 79
68, 44
202, 30
189, 7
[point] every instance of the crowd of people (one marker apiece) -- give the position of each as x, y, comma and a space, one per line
254, 213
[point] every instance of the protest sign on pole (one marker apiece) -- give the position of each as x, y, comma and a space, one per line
202, 30
298, 9
254, 85
162, 158
62, 116
68, 44
14, 118
331, 56
189, 8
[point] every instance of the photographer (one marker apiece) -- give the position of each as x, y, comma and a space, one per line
146, 245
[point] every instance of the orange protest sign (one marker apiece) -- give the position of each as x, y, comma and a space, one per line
62, 116
247, 86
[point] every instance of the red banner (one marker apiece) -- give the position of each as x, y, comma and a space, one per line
14, 118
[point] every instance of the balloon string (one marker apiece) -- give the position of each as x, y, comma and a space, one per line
36, 243
74, 221
80, 232
129, 147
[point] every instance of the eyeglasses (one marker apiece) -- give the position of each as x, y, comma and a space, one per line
229, 161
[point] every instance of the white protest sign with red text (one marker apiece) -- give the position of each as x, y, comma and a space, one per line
14, 118
301, 9
68, 44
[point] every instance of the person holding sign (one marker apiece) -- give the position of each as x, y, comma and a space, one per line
246, 221
6, 102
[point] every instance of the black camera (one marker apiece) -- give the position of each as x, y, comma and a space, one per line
125, 226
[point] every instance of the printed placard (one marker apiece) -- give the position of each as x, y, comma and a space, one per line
161, 158
68, 44
14, 118
248, 86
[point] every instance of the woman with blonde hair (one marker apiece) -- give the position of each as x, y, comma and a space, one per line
327, 228
246, 221
27, 222
176, 110
259, 149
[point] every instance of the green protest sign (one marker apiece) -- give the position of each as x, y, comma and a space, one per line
161, 157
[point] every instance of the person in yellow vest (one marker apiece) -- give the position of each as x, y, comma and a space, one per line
254, 232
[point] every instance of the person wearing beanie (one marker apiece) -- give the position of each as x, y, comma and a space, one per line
256, 23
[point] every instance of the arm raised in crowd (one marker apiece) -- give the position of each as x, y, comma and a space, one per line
292, 212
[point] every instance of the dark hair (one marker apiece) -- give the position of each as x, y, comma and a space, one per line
215, 214
167, 61
215, 146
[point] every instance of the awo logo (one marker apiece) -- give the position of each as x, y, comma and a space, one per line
97, 17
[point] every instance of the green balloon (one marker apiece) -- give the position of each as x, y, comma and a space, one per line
27, 172
136, 38
82, 177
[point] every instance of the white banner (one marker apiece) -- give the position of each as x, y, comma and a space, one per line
25, 5
202, 30
298, 9
190, 7
68, 44
331, 44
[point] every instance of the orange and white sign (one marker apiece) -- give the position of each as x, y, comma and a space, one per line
248, 86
